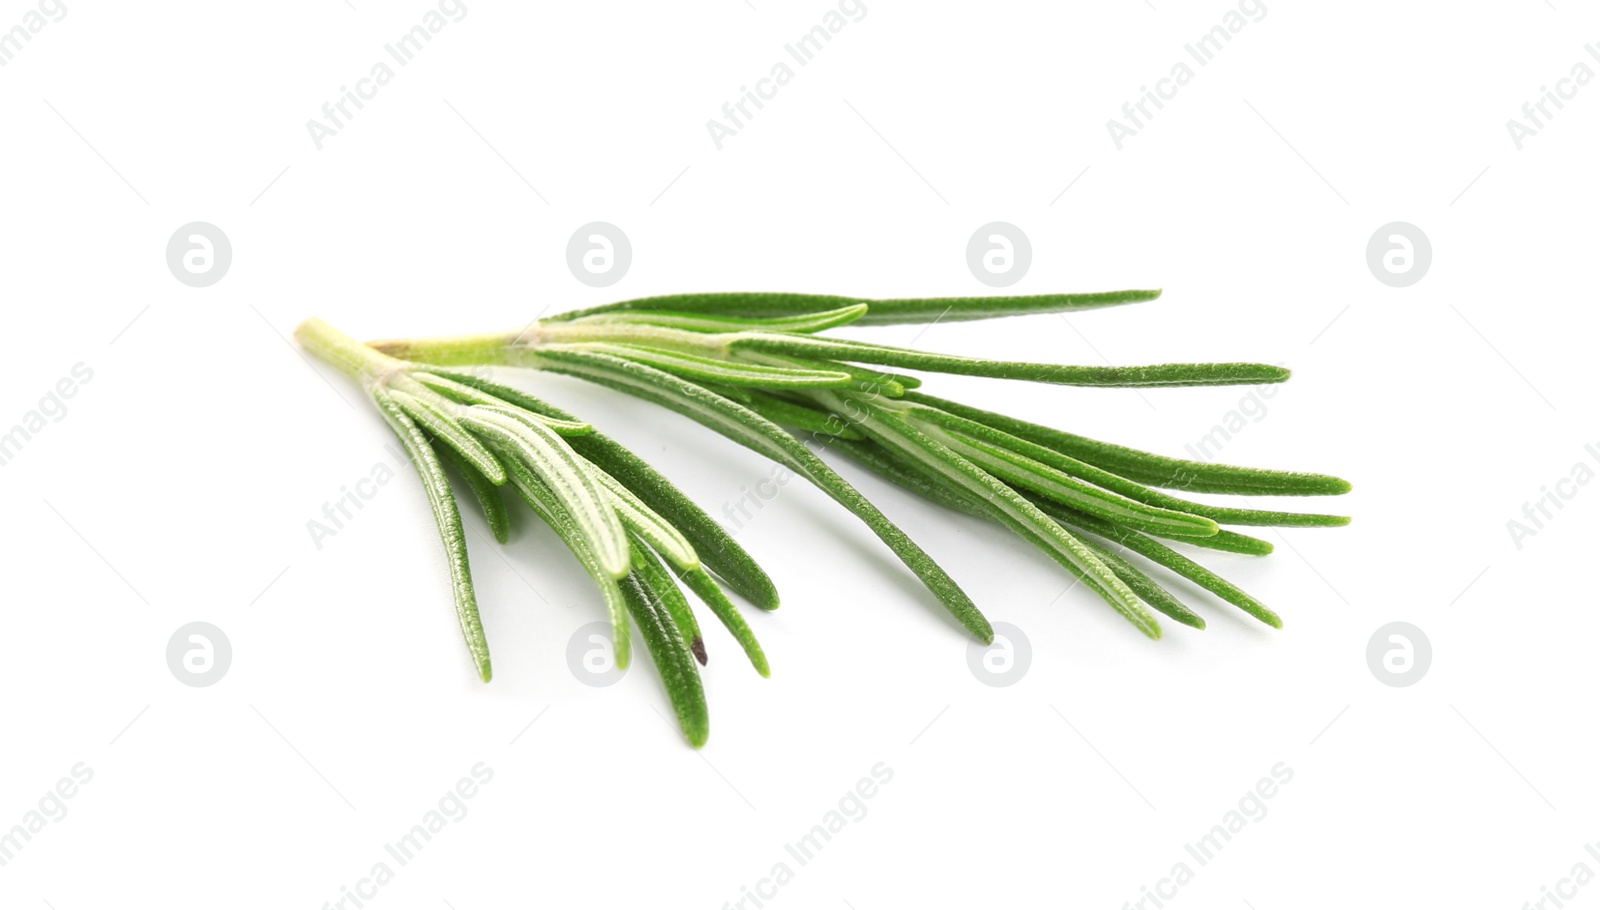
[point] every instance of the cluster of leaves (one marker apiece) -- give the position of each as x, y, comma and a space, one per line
635, 534
755, 368
751, 365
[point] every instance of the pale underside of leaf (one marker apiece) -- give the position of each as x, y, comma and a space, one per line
643, 521
542, 451
545, 504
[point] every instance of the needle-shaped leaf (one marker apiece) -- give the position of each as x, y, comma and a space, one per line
1149, 468
790, 414
673, 659
761, 435
1155, 376
1010, 507
1148, 589
717, 550
462, 393
655, 577
1019, 470
542, 451
548, 507
920, 480
999, 442
1228, 541
486, 492
643, 522
769, 305
759, 305
705, 587
959, 309
891, 384
442, 501
700, 322
1162, 554
444, 427
710, 369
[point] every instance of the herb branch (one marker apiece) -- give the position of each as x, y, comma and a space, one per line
755, 368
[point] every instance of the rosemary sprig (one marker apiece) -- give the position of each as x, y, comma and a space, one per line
744, 363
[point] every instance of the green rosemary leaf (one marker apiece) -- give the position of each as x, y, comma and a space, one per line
709, 369
699, 322
717, 550
910, 476
549, 507
741, 394
1232, 542
1148, 589
913, 477
1148, 468
1014, 510
441, 499
642, 522
555, 463
862, 378
705, 587
1019, 469
790, 414
444, 427
761, 435
487, 493
1155, 376
674, 662
461, 393
655, 577
981, 434
959, 309
737, 304
1162, 554
767, 305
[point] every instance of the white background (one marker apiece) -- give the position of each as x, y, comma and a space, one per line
179, 484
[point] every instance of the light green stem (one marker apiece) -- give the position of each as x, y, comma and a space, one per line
351, 357
456, 350
520, 348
